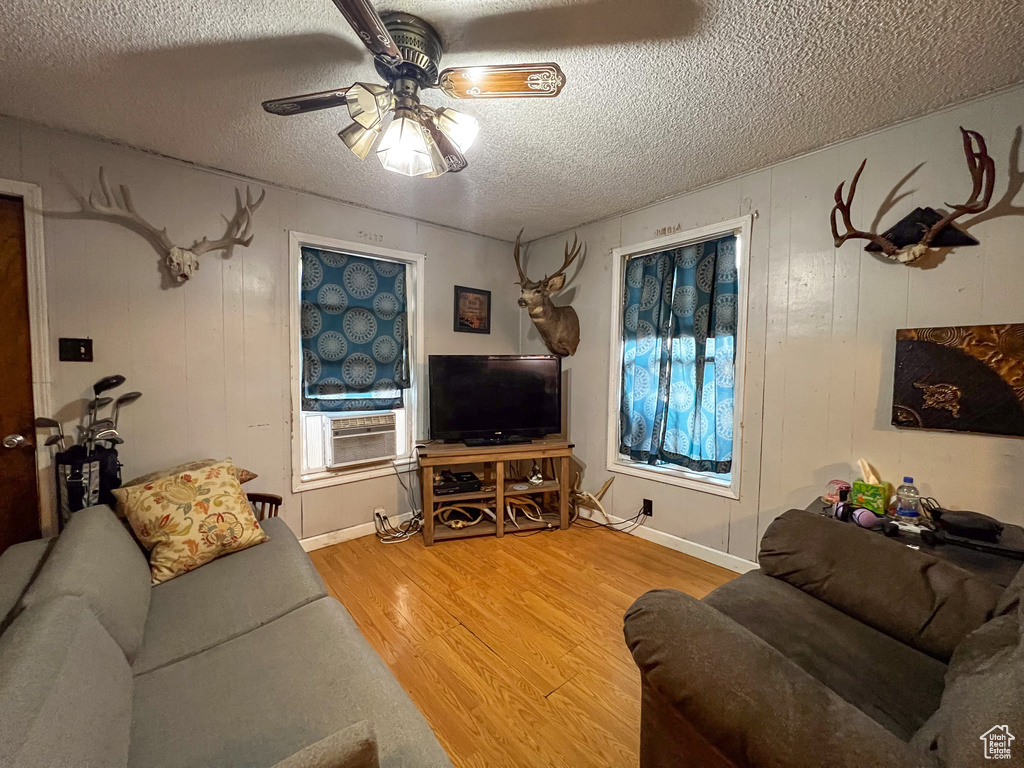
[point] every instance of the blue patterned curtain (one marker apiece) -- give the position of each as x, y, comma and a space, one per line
679, 339
354, 332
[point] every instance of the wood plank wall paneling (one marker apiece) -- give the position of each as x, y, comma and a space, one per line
821, 330
211, 356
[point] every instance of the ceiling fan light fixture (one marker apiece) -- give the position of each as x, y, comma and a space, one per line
359, 139
404, 148
461, 128
438, 162
368, 103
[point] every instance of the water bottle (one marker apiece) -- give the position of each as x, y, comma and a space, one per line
908, 501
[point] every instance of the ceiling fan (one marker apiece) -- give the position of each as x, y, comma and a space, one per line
419, 140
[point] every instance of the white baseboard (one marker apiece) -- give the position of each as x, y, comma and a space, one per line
692, 548
687, 547
347, 534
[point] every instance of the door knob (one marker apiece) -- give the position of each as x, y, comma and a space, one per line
15, 441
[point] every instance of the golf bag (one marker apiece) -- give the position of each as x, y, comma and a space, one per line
85, 479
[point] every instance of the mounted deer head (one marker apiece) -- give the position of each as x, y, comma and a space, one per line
182, 262
983, 175
559, 327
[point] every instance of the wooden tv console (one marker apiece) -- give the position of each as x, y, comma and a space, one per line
495, 459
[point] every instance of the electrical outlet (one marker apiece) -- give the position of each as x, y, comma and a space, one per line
379, 511
648, 508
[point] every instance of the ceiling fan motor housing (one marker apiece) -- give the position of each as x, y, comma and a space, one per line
419, 44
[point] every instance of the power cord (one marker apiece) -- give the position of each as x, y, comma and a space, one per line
389, 533
626, 526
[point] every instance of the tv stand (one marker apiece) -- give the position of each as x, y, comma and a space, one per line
552, 495
478, 442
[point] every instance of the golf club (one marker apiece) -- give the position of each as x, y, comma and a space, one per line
95, 405
109, 382
101, 386
125, 399
94, 429
44, 423
103, 434
52, 440
108, 435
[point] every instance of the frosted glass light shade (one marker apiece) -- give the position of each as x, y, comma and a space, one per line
359, 139
368, 102
438, 163
458, 126
404, 148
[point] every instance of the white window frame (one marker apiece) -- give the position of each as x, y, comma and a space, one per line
671, 475
415, 401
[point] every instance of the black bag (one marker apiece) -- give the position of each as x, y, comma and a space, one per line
85, 479
969, 525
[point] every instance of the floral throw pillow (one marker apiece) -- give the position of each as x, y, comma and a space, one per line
188, 519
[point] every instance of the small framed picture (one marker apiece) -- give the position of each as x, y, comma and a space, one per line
472, 310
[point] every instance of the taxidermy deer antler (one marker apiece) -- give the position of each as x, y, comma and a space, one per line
983, 175
182, 262
559, 327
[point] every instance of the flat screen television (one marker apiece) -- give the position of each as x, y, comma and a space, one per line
494, 398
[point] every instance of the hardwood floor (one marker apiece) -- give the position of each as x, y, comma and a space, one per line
512, 648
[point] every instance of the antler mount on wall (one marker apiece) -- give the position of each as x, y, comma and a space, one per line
924, 229
559, 327
118, 208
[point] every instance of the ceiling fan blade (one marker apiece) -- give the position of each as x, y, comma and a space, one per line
371, 30
310, 102
504, 81
455, 159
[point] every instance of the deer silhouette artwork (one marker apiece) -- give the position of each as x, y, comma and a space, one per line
559, 327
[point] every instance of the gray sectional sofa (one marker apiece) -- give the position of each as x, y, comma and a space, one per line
845, 649
244, 662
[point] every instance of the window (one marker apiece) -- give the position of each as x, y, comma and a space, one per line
356, 344
675, 410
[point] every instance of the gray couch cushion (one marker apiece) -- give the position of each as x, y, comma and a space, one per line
927, 603
268, 694
65, 690
984, 689
19, 565
352, 747
745, 699
892, 683
95, 559
228, 597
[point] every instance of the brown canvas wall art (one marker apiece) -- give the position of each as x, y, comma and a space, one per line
960, 379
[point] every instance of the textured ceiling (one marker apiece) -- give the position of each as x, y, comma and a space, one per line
662, 96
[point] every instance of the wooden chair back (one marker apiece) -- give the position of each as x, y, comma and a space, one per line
264, 505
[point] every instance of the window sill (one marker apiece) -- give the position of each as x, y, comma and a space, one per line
677, 476
325, 479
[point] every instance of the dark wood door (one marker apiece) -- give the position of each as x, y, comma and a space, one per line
19, 496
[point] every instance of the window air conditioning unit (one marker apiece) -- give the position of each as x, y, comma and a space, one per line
361, 440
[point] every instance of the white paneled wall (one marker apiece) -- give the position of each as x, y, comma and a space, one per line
821, 334
211, 356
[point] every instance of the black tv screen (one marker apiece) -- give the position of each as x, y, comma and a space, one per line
495, 396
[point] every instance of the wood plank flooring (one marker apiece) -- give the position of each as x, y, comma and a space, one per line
512, 649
